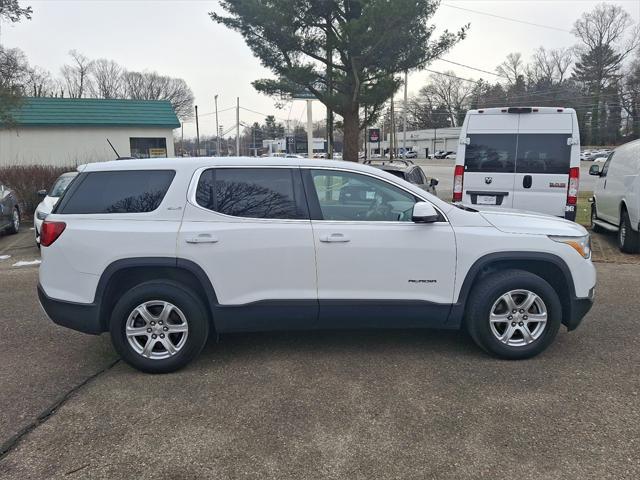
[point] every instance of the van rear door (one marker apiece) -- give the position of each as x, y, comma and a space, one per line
543, 162
489, 159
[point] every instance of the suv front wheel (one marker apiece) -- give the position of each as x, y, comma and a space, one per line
513, 314
159, 326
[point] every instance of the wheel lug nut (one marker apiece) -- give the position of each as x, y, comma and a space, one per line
154, 336
148, 330
162, 335
165, 328
513, 324
524, 317
514, 311
521, 324
160, 322
510, 317
153, 323
521, 310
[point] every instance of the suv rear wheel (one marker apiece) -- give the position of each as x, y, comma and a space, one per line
159, 327
15, 221
513, 314
628, 239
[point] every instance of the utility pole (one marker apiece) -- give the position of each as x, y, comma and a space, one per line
309, 129
197, 134
392, 132
404, 114
253, 134
329, 86
238, 126
215, 99
182, 138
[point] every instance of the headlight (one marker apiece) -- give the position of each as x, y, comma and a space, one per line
582, 245
41, 215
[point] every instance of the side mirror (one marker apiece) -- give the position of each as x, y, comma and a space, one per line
424, 212
42, 193
594, 170
433, 182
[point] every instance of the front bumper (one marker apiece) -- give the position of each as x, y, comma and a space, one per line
579, 308
83, 317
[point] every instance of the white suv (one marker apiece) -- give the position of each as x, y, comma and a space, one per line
164, 252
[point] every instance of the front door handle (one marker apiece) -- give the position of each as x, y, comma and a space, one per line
202, 238
335, 238
527, 181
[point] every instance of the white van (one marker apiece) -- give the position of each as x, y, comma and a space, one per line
616, 199
526, 158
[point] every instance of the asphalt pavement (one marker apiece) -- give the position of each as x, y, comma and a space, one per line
360, 404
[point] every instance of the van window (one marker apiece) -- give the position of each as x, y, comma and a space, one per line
543, 153
122, 191
491, 153
253, 192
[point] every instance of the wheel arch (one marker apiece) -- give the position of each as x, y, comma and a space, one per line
123, 274
546, 265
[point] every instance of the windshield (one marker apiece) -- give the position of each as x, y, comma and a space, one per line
61, 185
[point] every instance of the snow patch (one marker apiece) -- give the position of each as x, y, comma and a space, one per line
26, 263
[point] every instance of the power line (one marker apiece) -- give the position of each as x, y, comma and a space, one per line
507, 18
472, 68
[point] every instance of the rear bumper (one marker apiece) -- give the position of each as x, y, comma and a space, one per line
83, 317
579, 308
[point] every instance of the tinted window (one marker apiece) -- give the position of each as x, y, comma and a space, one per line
130, 191
543, 153
350, 196
491, 153
253, 192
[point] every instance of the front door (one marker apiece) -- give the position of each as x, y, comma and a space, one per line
249, 230
375, 266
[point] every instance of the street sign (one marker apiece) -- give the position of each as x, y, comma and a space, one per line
374, 135
303, 95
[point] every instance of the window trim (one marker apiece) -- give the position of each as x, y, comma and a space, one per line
361, 222
195, 180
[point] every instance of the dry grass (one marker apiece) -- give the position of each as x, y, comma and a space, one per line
27, 180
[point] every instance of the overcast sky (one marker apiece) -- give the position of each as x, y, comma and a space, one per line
177, 38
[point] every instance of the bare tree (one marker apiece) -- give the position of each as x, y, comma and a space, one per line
108, 79
449, 92
77, 76
152, 86
512, 68
549, 66
39, 83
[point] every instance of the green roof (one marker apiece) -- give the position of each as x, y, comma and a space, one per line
95, 112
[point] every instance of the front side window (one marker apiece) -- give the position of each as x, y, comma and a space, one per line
125, 191
543, 153
61, 185
253, 192
350, 196
491, 153
605, 167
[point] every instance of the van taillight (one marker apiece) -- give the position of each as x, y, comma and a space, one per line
458, 178
50, 232
574, 183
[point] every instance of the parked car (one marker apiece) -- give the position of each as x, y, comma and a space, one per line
49, 199
9, 210
203, 246
525, 158
451, 156
409, 154
406, 170
441, 154
616, 199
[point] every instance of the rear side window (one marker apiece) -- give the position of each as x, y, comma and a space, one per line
125, 191
543, 153
491, 153
253, 192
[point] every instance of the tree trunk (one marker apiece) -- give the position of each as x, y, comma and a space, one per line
351, 119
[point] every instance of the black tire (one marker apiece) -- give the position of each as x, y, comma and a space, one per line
185, 300
487, 292
13, 228
628, 239
594, 216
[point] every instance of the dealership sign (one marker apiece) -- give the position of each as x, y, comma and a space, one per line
374, 135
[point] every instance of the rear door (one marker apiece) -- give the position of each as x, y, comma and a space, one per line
543, 162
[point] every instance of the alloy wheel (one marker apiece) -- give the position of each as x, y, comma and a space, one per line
518, 318
16, 219
157, 329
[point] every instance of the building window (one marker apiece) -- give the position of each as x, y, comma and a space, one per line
148, 147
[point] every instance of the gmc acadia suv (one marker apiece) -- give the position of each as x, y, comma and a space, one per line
163, 253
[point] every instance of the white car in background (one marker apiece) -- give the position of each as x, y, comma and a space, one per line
49, 200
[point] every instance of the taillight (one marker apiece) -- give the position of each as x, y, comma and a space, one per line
458, 177
574, 183
50, 232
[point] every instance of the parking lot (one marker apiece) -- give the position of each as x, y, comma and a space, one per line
387, 404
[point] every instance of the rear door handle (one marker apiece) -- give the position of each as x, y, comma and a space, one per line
202, 238
527, 181
335, 238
